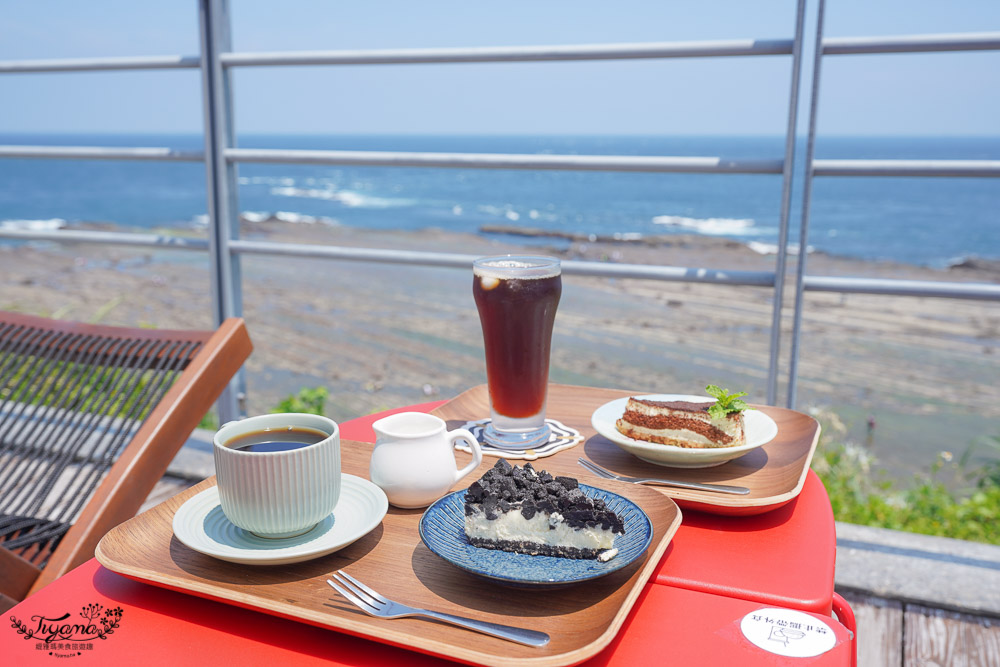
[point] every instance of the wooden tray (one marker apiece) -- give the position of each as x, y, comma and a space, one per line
774, 473
581, 619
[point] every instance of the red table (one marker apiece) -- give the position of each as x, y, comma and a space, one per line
716, 571
159, 627
783, 558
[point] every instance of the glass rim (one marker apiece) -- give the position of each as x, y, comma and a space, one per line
532, 265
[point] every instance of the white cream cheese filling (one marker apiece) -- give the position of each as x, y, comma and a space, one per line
541, 529
678, 434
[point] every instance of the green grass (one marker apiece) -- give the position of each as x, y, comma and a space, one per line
949, 499
73, 386
311, 401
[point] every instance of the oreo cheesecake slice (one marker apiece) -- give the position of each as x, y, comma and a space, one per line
524, 511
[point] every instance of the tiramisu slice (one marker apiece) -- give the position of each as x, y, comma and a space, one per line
524, 511
681, 424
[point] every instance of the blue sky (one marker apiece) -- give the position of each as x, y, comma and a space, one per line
942, 94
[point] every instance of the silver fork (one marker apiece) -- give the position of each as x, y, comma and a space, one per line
374, 604
698, 486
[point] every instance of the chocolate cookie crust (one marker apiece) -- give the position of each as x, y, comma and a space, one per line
504, 488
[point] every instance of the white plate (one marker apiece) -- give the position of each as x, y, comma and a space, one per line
760, 429
201, 525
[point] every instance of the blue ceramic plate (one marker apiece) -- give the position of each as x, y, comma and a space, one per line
442, 528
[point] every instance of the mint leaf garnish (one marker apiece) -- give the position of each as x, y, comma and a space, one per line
724, 402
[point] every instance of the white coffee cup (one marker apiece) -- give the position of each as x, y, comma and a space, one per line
278, 494
414, 458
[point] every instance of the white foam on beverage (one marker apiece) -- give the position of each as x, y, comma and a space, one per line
505, 269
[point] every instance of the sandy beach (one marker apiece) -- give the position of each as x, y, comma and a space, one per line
921, 372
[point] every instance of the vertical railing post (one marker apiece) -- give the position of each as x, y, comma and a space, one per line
786, 204
793, 362
223, 211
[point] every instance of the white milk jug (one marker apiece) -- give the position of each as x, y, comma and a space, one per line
414, 458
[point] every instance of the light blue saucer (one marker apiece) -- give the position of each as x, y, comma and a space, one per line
201, 525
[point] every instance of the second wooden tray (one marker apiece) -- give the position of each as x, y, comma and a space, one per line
774, 473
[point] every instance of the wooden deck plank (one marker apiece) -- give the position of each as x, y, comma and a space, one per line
880, 630
938, 637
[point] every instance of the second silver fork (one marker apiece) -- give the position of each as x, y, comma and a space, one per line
697, 486
374, 604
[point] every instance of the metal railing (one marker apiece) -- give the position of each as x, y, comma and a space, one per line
220, 156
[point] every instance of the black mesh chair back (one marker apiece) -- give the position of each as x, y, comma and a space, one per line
90, 417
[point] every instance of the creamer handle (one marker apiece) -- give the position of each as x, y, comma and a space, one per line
477, 452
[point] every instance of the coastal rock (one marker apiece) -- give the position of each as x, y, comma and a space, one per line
990, 267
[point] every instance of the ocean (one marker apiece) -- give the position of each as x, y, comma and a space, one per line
924, 221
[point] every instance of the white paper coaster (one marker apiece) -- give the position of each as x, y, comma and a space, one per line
562, 437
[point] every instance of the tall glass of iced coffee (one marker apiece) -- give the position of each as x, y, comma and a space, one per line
517, 297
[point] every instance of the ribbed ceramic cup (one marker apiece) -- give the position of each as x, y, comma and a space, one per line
278, 494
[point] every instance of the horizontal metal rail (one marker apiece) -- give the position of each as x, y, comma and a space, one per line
970, 41
897, 287
498, 54
704, 49
929, 168
683, 164
102, 153
380, 255
984, 41
599, 269
107, 238
894, 287
99, 64
509, 161
879, 286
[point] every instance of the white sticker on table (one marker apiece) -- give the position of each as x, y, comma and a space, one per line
787, 632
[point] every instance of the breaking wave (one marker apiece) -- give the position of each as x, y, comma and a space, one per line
287, 216
34, 225
277, 216
709, 226
345, 197
772, 248
507, 211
